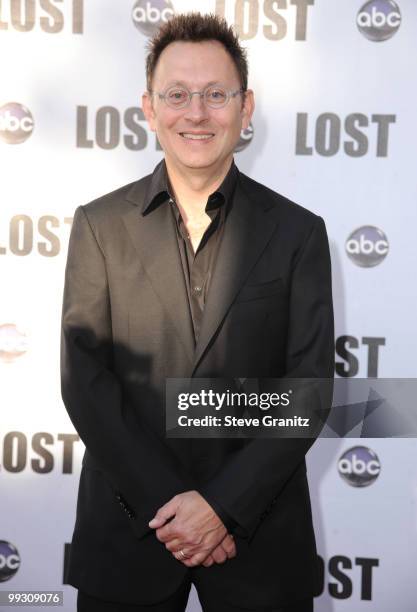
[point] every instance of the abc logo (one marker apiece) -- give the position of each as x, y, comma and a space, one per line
9, 560
359, 466
149, 15
367, 246
379, 19
13, 343
245, 139
16, 123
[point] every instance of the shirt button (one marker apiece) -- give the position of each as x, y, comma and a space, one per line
197, 289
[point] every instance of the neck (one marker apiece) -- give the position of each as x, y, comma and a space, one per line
193, 187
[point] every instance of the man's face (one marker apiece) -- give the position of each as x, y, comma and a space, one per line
196, 65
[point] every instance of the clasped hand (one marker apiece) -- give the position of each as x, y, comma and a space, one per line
195, 529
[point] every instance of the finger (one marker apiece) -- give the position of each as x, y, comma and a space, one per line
175, 534
209, 561
195, 560
174, 545
219, 555
164, 513
229, 546
183, 535
182, 555
199, 552
186, 548
230, 552
184, 560
167, 533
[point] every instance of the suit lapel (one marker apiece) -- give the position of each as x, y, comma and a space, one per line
153, 236
247, 231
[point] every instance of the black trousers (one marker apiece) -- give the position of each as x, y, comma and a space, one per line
178, 603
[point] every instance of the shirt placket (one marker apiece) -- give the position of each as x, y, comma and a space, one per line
198, 265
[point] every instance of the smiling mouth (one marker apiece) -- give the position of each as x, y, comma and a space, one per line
189, 136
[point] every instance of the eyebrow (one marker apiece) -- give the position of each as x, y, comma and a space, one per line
184, 84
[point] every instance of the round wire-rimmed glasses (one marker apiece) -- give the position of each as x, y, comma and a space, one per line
179, 97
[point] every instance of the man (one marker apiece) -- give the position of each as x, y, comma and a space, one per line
193, 271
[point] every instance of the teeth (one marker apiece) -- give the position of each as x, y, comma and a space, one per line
197, 136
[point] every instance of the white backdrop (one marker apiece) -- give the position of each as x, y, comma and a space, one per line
334, 130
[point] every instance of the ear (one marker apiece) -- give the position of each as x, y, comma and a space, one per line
248, 107
148, 110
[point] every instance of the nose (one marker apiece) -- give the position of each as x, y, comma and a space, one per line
197, 110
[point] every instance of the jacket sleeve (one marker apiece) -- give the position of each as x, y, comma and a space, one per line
225, 518
140, 468
249, 484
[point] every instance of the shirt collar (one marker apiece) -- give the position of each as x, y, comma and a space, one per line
159, 189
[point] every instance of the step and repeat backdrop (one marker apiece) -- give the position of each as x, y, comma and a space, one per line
334, 130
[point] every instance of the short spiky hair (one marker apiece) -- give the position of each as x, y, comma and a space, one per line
195, 27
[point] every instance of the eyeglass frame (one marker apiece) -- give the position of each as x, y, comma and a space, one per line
229, 94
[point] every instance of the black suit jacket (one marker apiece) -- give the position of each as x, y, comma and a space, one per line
126, 327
